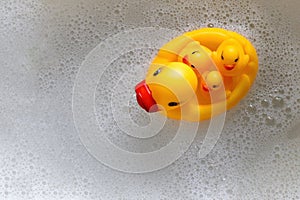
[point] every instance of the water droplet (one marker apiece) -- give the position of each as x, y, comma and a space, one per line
288, 109
265, 103
277, 102
270, 120
251, 108
210, 25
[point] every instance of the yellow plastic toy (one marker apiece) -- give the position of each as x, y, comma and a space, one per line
199, 74
230, 58
196, 56
212, 80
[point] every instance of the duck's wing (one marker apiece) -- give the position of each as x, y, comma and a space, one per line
251, 71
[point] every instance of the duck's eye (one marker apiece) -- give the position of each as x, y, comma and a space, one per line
173, 104
222, 57
192, 66
194, 52
215, 86
157, 72
236, 60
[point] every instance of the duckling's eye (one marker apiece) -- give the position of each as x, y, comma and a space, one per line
192, 66
222, 57
194, 52
236, 60
157, 72
215, 86
173, 104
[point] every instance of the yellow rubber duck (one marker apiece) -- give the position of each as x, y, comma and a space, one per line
196, 56
167, 88
174, 90
173, 87
212, 87
212, 80
230, 58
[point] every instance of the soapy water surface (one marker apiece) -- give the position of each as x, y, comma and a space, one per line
43, 45
118, 96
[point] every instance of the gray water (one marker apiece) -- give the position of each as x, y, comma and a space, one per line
42, 47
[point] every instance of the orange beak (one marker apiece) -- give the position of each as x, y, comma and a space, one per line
229, 67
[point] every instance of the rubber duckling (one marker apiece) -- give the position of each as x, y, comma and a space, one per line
212, 81
213, 87
167, 88
230, 58
196, 56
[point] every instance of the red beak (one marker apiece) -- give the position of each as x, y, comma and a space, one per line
144, 97
205, 87
185, 60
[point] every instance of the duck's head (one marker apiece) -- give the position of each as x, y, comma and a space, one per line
196, 56
231, 58
212, 81
166, 87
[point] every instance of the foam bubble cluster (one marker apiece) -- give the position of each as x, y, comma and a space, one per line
43, 44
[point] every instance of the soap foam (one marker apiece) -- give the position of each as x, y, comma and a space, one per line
255, 157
